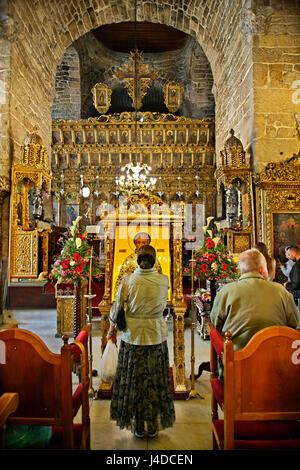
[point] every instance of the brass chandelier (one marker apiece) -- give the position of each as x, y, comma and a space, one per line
136, 180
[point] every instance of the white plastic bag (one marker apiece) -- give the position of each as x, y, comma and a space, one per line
109, 361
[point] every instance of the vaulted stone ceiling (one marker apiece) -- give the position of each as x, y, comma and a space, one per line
147, 37
176, 55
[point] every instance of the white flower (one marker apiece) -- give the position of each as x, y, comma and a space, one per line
78, 242
208, 220
214, 267
72, 262
74, 226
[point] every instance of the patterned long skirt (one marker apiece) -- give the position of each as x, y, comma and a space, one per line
142, 391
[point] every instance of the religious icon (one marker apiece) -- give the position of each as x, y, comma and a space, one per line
84, 159
101, 137
245, 209
56, 137
73, 159
71, 213
286, 230
192, 136
101, 97
95, 159
130, 262
89, 137
67, 137
79, 137
173, 96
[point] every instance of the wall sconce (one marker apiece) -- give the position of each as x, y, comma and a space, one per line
62, 185
160, 192
84, 190
197, 192
116, 193
97, 192
179, 192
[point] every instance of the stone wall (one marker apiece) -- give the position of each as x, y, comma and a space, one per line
225, 33
276, 80
67, 103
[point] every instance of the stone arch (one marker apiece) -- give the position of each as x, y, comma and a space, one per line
215, 28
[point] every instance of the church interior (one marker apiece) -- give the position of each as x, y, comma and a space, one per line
127, 116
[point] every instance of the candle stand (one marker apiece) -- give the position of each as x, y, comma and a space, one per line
91, 391
193, 393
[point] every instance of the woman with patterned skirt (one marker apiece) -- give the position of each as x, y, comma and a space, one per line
142, 399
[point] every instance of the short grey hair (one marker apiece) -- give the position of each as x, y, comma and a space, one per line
142, 235
251, 260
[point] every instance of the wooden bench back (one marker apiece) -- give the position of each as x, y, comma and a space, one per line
42, 379
262, 381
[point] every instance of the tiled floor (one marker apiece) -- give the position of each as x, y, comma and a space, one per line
191, 430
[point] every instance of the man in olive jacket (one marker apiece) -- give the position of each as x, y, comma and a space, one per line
252, 303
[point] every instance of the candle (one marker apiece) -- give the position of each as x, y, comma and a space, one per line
90, 280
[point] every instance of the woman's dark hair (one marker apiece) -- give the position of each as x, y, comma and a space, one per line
145, 261
146, 257
260, 246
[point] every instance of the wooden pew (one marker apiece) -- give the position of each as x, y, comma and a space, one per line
43, 381
8, 404
260, 396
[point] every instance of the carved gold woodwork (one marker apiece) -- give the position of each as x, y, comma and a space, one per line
177, 299
136, 77
169, 144
65, 307
277, 192
24, 254
173, 96
239, 241
31, 171
234, 169
122, 133
65, 315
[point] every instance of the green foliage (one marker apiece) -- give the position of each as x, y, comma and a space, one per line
73, 262
212, 261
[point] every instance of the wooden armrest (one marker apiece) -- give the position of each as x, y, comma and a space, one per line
8, 404
10, 326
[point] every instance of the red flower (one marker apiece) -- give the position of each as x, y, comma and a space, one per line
209, 243
225, 266
65, 264
79, 268
203, 267
76, 256
211, 257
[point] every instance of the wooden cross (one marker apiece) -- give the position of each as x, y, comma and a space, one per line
136, 76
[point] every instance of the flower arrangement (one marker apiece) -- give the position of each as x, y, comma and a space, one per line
213, 261
203, 295
73, 262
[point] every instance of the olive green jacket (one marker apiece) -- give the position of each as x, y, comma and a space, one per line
251, 304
